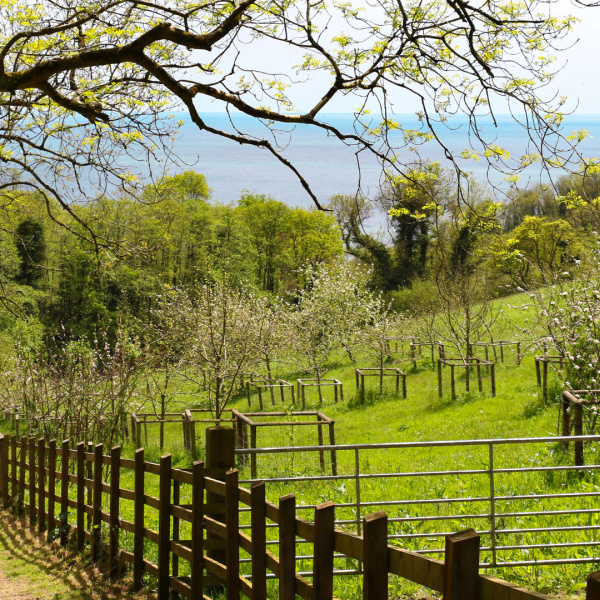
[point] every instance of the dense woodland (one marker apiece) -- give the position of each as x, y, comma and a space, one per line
107, 261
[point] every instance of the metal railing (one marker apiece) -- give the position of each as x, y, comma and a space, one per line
546, 517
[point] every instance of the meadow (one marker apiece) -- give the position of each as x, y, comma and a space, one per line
517, 411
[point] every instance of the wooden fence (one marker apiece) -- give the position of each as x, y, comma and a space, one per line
69, 493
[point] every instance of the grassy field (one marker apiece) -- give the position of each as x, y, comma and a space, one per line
516, 411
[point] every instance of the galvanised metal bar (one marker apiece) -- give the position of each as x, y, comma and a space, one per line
492, 500
433, 444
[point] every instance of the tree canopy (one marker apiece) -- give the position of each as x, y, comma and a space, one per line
86, 87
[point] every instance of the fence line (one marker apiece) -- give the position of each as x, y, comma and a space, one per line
29, 476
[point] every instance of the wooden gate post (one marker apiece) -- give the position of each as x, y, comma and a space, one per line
592, 591
220, 458
461, 568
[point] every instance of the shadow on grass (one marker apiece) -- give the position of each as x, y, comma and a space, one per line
441, 404
31, 555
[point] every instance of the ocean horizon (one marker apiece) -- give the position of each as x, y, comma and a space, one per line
330, 167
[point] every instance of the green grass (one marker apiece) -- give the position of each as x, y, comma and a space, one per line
516, 411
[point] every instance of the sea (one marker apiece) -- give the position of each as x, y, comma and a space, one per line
330, 167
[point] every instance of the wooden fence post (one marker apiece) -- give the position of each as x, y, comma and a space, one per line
375, 557
461, 568
323, 551
232, 520
80, 495
138, 521
64, 493
41, 485
22, 470
97, 502
164, 527
259, 540
31, 481
592, 590
197, 563
89, 466
220, 456
287, 547
51, 489
13, 472
113, 517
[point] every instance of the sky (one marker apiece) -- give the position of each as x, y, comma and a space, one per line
578, 79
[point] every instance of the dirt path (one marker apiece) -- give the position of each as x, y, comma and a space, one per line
32, 569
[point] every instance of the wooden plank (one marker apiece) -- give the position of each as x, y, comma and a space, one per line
213, 486
127, 463
180, 585
138, 519
164, 527
89, 483
375, 561
259, 540
51, 489
80, 495
215, 527
491, 588
151, 534
349, 544
22, 470
323, 551
175, 534
152, 502
182, 476
31, 481
461, 581
180, 512
64, 493
113, 520
127, 494
41, 485
152, 468
287, 547
305, 530
13, 460
150, 568
97, 502
196, 563
232, 521
420, 569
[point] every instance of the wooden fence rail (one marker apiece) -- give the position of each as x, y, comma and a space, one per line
85, 487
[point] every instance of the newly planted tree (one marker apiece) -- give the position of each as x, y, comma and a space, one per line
222, 329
